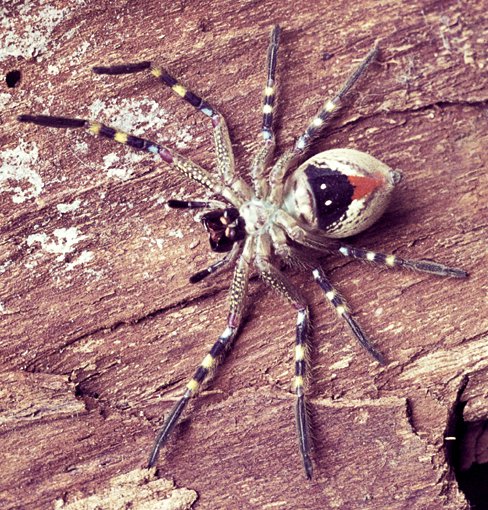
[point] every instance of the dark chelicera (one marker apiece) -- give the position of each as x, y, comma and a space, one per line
225, 227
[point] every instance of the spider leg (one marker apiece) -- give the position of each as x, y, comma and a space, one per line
175, 160
316, 125
342, 310
223, 146
237, 296
229, 257
196, 204
323, 244
301, 236
266, 150
326, 111
425, 266
216, 267
283, 286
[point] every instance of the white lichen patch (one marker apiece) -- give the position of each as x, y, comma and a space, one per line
53, 69
4, 267
62, 241
81, 146
18, 172
123, 167
75, 57
27, 28
95, 274
4, 99
66, 208
176, 233
85, 257
3, 309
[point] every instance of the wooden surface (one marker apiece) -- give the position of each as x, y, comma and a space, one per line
99, 326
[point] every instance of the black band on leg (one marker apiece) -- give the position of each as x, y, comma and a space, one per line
51, 121
122, 68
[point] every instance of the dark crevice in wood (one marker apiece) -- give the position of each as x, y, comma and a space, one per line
465, 443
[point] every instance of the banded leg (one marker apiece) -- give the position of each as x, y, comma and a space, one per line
425, 266
316, 125
175, 160
265, 152
223, 146
237, 301
196, 204
326, 245
283, 286
325, 113
218, 266
342, 310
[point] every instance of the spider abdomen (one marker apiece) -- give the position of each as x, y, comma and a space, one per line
339, 192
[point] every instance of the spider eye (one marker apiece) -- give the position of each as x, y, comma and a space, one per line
224, 227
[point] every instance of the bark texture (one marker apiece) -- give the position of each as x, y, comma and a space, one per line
99, 327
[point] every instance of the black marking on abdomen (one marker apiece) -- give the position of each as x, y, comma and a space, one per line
332, 192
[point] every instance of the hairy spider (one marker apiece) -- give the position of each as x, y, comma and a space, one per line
295, 215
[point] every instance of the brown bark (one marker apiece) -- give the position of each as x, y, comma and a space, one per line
99, 326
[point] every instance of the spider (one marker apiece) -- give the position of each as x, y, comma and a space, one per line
296, 214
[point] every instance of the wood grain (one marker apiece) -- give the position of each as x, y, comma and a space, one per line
99, 326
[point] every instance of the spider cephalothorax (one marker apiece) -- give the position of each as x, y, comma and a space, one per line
291, 213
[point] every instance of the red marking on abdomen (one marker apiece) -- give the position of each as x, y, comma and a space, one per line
364, 185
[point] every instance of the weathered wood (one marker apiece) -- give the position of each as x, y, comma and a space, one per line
99, 326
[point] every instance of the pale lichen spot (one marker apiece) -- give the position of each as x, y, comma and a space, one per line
85, 257
61, 242
176, 233
27, 29
4, 99
66, 208
52, 69
18, 172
